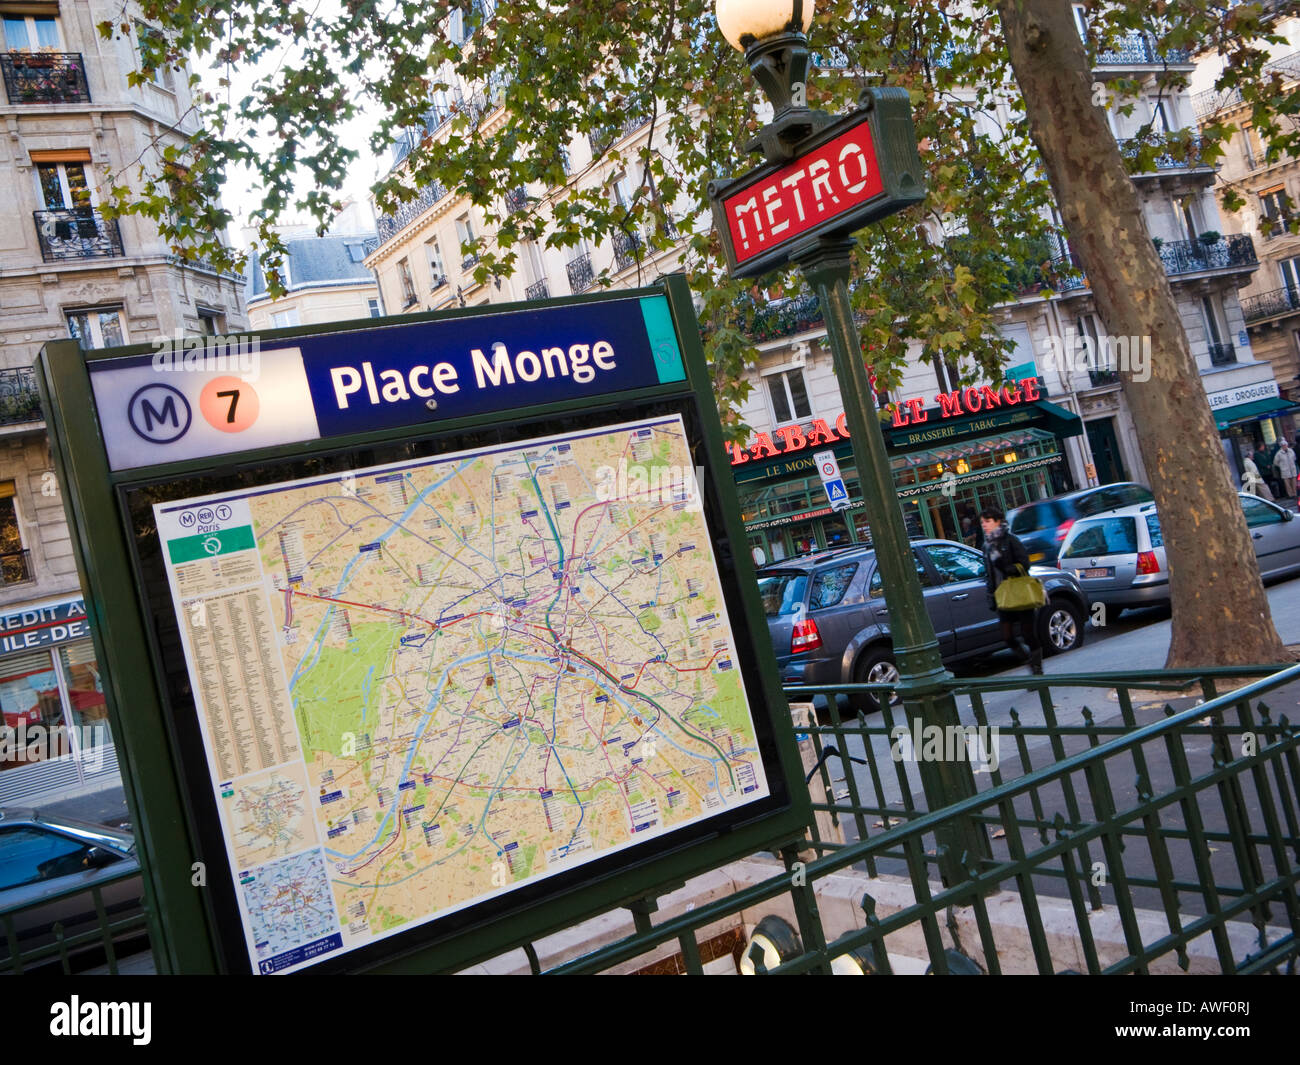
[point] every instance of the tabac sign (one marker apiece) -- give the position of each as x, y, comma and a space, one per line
857, 169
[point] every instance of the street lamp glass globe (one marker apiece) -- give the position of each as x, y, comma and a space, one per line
758, 18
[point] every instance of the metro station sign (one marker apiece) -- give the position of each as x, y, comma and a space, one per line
860, 168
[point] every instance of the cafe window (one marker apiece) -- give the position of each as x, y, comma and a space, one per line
789, 396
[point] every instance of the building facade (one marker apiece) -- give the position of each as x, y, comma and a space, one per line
326, 277
74, 124
1270, 186
1058, 422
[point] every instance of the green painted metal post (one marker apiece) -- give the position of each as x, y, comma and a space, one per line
826, 263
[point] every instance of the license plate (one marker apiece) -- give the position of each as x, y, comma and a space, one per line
1037, 556
1100, 571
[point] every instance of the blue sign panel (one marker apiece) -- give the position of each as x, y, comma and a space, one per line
835, 491
204, 396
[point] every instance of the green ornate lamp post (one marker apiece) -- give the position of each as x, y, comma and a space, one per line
872, 154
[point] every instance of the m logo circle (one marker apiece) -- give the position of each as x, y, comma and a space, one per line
159, 413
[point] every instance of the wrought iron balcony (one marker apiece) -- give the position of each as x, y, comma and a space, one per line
1222, 354
1171, 154
45, 78
1272, 304
437, 282
15, 567
581, 275
600, 139
1194, 256
79, 233
1206, 103
538, 290
1098, 378
389, 225
516, 200
626, 249
1138, 49
19, 400
467, 263
796, 315
1064, 274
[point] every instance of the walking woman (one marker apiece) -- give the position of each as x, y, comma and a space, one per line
1004, 554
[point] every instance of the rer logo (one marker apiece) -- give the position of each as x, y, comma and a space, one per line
159, 413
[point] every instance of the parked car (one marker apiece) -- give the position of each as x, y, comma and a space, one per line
43, 856
829, 621
1042, 525
1119, 557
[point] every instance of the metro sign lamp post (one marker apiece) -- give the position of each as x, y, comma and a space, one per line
823, 179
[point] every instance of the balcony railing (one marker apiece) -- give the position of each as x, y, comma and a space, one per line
79, 233
1176, 155
1222, 354
437, 281
1139, 49
1270, 304
516, 200
1206, 103
581, 276
15, 567
1194, 256
1064, 274
600, 139
45, 78
626, 249
389, 225
1098, 378
468, 263
19, 400
538, 290
796, 315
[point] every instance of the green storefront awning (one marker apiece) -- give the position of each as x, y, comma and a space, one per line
1250, 412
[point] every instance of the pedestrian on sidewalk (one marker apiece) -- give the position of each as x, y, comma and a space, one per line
1284, 463
1005, 556
1253, 483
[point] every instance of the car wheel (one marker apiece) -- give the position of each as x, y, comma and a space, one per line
1060, 626
876, 666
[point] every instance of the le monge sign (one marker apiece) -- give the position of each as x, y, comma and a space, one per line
859, 168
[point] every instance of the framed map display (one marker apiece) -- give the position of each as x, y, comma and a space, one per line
434, 632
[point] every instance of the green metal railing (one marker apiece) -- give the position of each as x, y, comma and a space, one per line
1183, 823
106, 934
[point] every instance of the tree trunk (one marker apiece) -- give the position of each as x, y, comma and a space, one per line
1220, 613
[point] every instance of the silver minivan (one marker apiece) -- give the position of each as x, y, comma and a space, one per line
1119, 556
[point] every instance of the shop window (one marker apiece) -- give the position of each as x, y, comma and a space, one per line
85, 693
102, 327
30, 704
789, 396
829, 586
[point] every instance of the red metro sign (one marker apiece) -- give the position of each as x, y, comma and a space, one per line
859, 168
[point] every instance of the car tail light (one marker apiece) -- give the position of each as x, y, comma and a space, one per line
1063, 529
1148, 563
805, 637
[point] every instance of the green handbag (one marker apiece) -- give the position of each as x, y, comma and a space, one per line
1020, 593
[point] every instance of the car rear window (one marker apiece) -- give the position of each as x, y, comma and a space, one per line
782, 592
829, 586
1102, 536
1031, 517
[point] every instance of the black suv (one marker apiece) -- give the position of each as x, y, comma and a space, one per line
829, 622
1042, 525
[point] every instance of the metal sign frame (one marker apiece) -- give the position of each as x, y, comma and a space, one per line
174, 833
886, 114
